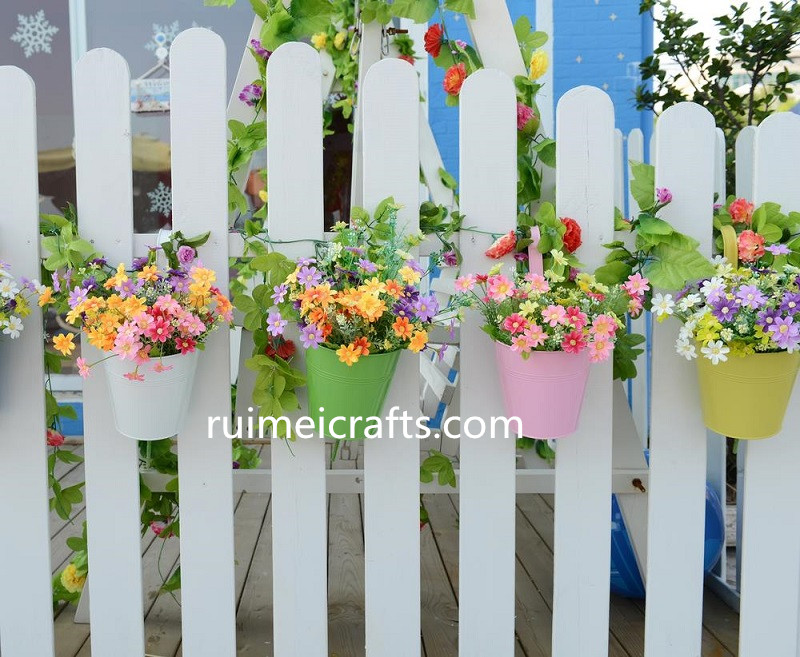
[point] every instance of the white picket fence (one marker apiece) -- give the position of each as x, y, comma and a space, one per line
590, 464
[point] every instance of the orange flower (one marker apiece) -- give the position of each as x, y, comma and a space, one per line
117, 279
394, 288
46, 297
402, 328
317, 316
114, 302
63, 343
363, 344
371, 308
374, 286
348, 354
326, 329
148, 273
454, 79
418, 341
349, 298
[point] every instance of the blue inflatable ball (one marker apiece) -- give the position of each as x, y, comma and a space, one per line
626, 580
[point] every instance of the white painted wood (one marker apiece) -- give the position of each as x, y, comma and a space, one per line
486, 519
299, 501
26, 616
105, 180
199, 191
389, 100
545, 99
678, 440
431, 162
719, 165
770, 601
493, 35
585, 192
619, 171
744, 162
369, 53
640, 404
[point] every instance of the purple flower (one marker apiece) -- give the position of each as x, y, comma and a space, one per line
305, 262
450, 258
280, 293
767, 317
251, 94
139, 264
89, 283
416, 267
790, 303
77, 296
426, 307
186, 254
56, 282
367, 266
130, 288
522, 256
461, 44
276, 324
663, 195
441, 352
411, 293
309, 276
236, 465
99, 262
354, 249
723, 309
403, 308
297, 304
778, 249
785, 333
750, 297
180, 284
311, 336
259, 50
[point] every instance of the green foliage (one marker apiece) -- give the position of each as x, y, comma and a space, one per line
440, 465
626, 352
686, 64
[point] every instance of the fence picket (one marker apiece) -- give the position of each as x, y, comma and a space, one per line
744, 162
105, 180
200, 203
391, 465
771, 534
299, 499
585, 192
26, 612
487, 478
677, 434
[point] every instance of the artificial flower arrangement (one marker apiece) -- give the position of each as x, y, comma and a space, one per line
548, 325
15, 299
357, 305
743, 327
150, 322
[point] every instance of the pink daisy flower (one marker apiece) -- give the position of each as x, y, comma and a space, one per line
535, 335
576, 318
604, 326
160, 367
134, 376
554, 315
636, 285
538, 283
600, 350
573, 342
465, 283
83, 368
520, 344
499, 287
515, 323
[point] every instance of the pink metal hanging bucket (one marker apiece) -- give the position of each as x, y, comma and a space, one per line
545, 391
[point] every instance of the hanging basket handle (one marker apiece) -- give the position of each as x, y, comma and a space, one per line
730, 245
535, 263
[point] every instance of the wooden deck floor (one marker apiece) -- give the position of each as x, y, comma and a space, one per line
439, 544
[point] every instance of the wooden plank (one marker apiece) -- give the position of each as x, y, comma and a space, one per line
676, 513
299, 537
487, 483
584, 191
200, 203
104, 180
744, 162
770, 590
389, 100
619, 171
25, 618
493, 35
545, 99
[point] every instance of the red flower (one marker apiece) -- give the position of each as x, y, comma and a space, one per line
503, 245
55, 438
454, 79
407, 58
285, 349
751, 246
572, 238
185, 345
741, 211
434, 38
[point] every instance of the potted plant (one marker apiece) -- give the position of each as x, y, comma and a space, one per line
357, 306
743, 328
151, 322
15, 297
548, 326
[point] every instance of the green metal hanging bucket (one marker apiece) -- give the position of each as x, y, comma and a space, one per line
352, 392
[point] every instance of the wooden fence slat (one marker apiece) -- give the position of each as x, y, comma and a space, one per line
771, 534
389, 99
26, 616
493, 35
585, 192
744, 162
200, 203
677, 434
619, 170
299, 500
104, 181
487, 481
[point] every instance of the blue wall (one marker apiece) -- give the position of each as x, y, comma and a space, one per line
596, 42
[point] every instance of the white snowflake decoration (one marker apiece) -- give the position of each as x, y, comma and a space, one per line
161, 200
162, 38
34, 33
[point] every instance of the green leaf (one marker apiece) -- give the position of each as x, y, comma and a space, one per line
310, 16
461, 6
650, 225
771, 233
259, 7
419, 11
547, 151
245, 303
625, 354
613, 273
447, 179
76, 543
673, 268
643, 184
219, 3
277, 30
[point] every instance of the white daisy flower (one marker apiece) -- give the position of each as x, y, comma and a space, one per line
716, 352
686, 349
8, 288
13, 326
663, 304
689, 301
712, 285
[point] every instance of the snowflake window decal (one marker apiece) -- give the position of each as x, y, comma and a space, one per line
34, 33
161, 200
